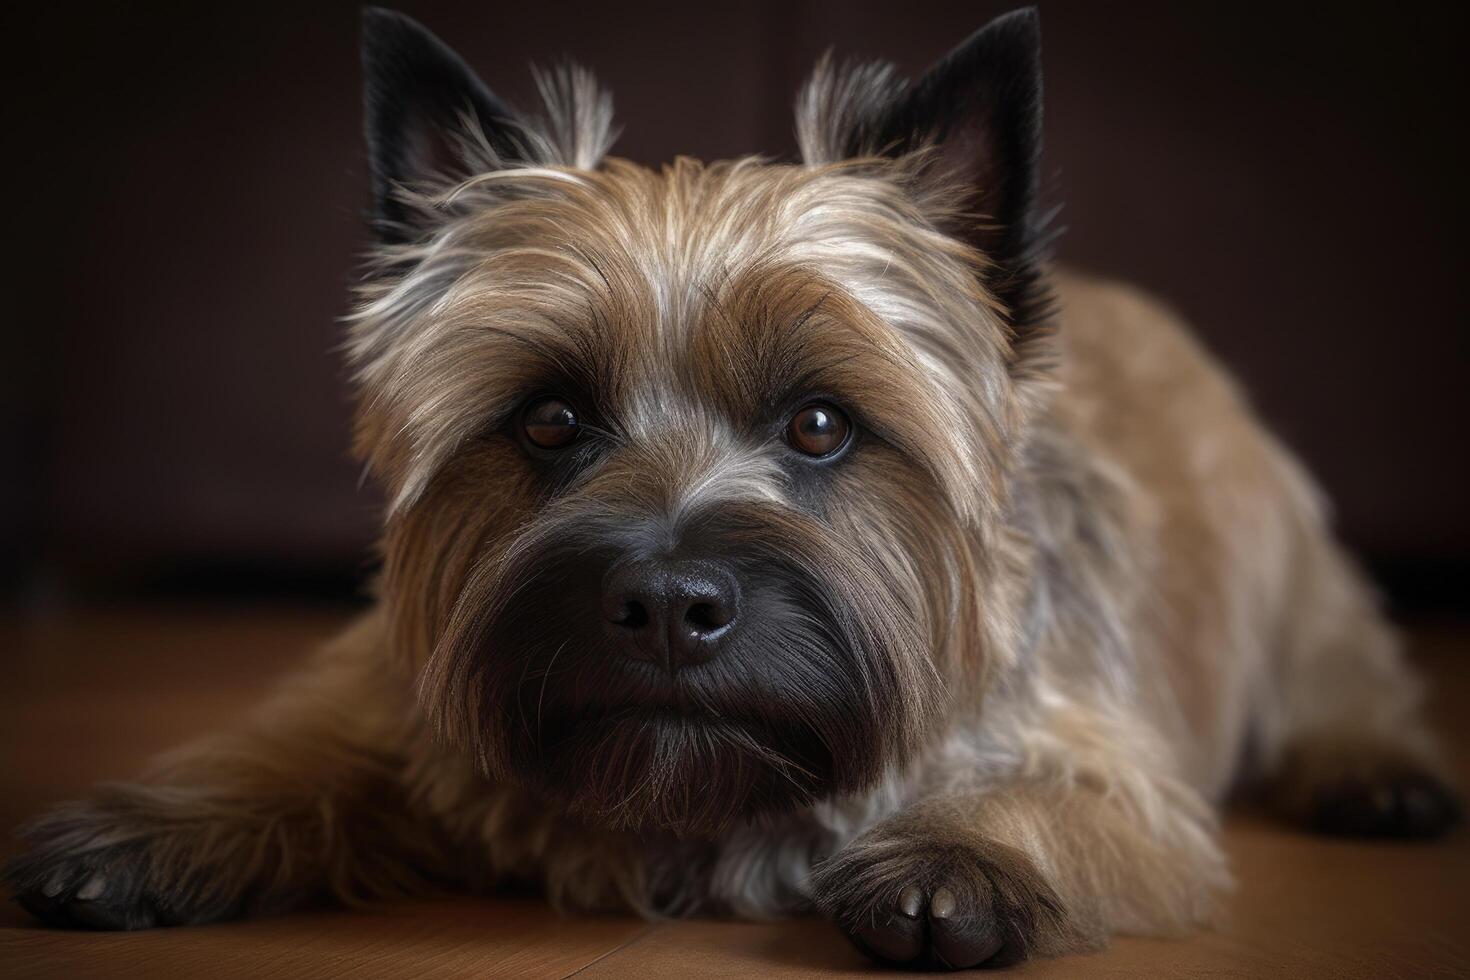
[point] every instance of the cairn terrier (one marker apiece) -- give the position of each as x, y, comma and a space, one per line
766, 537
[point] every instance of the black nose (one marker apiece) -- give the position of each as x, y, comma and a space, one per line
672, 613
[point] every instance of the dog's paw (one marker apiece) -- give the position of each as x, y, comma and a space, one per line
1362, 789
914, 902
101, 889
90, 866
1405, 803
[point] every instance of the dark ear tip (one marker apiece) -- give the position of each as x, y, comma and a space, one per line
375, 16
374, 19
1022, 18
382, 27
377, 24
1023, 23
1011, 42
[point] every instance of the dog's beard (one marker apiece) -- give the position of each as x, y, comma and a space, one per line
682, 772
825, 685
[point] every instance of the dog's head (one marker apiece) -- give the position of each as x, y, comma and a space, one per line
696, 474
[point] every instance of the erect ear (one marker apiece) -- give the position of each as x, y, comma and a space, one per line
977, 113
429, 119
418, 96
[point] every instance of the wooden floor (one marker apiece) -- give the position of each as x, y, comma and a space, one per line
91, 696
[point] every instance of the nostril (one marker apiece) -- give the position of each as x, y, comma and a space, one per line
706, 617
670, 612
631, 615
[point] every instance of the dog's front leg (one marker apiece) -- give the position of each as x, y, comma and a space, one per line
1078, 842
303, 802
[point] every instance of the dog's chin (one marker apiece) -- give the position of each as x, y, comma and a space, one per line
667, 769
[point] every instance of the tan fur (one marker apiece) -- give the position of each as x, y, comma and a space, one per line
1098, 580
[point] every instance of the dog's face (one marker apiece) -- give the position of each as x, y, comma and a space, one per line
697, 473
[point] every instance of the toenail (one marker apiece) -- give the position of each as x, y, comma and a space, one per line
92, 889
910, 901
942, 905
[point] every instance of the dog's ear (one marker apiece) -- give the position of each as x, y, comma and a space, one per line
420, 101
429, 119
977, 116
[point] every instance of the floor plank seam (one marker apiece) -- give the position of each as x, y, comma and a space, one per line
630, 941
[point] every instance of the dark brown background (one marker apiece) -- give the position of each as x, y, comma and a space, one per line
184, 220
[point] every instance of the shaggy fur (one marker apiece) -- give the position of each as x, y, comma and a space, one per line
996, 660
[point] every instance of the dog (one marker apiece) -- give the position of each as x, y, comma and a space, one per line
770, 537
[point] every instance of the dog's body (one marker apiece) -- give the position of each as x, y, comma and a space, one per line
969, 676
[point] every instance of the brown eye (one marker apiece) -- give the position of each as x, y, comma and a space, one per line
817, 430
549, 423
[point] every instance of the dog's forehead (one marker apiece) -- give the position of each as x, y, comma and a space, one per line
714, 285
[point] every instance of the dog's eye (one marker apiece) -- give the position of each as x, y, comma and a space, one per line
818, 429
549, 423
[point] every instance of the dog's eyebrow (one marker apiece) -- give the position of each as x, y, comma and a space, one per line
790, 335
592, 263
716, 303
811, 311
